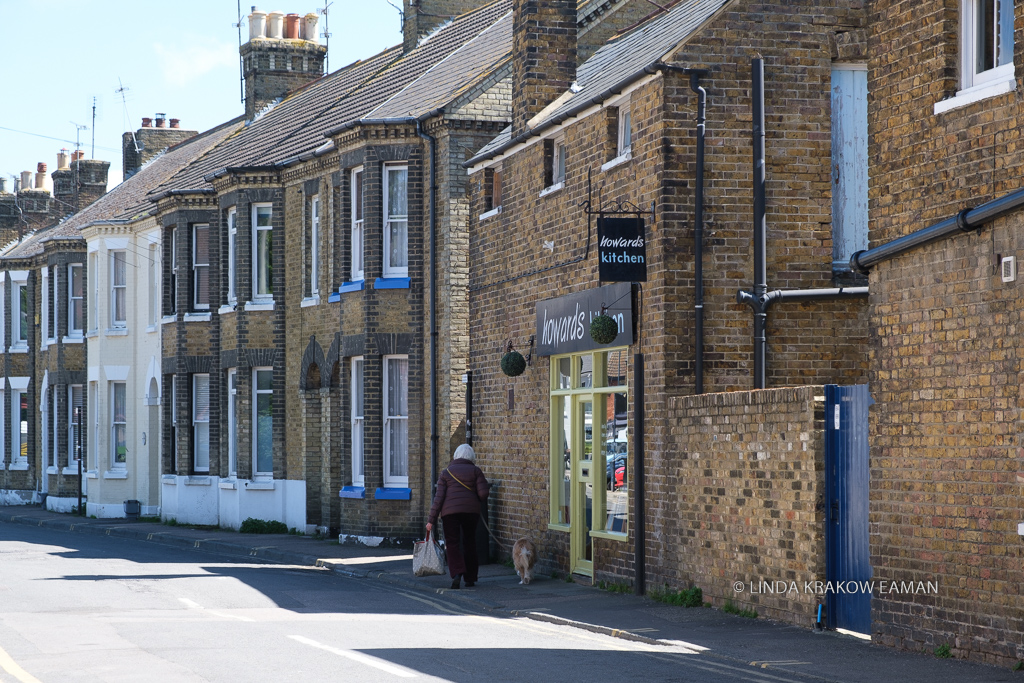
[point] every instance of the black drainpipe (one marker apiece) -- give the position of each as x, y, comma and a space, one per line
760, 300
698, 233
760, 227
965, 221
433, 308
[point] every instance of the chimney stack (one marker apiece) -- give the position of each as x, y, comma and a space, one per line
148, 141
420, 17
274, 64
544, 39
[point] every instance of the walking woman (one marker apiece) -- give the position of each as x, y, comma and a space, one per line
460, 490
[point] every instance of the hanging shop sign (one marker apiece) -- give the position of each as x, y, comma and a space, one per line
563, 324
621, 249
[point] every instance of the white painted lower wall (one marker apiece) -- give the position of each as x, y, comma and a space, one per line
17, 497
229, 502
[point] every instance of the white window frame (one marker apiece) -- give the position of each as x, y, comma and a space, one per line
256, 393
174, 271
390, 270
356, 196
392, 479
16, 312
94, 307
625, 128
174, 420
970, 76
357, 420
114, 464
115, 289
232, 255
154, 284
93, 409
558, 161
200, 432
233, 422
314, 246
73, 331
200, 268
16, 456
72, 426
257, 265
44, 312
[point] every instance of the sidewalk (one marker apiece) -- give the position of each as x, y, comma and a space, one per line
754, 642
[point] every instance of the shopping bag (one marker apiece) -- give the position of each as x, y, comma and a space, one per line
427, 558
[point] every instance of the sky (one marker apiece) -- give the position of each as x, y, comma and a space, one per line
179, 58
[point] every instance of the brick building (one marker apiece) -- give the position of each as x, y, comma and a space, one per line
44, 353
620, 130
946, 495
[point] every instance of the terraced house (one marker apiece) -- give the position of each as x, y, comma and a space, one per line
660, 133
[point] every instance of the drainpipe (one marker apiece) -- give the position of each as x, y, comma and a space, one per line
433, 306
760, 228
698, 233
760, 300
965, 221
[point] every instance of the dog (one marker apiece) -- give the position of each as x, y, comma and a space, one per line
524, 556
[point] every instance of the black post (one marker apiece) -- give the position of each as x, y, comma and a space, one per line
639, 558
469, 407
760, 227
698, 234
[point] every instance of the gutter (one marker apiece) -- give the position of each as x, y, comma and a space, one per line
966, 220
382, 122
180, 193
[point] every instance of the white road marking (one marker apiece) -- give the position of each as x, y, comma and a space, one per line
195, 605
368, 660
435, 605
11, 667
743, 673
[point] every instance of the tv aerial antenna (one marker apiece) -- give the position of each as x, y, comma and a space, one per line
241, 66
121, 90
327, 36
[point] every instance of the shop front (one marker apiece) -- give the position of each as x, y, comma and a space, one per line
589, 427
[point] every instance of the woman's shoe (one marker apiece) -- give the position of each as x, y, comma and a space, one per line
456, 580
470, 584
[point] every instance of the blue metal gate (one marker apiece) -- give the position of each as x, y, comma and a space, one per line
848, 562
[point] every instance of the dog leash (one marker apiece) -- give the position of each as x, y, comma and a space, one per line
489, 532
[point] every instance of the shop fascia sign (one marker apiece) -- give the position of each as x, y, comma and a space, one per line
621, 249
563, 323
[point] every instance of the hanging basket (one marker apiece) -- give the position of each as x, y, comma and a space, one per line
513, 364
604, 329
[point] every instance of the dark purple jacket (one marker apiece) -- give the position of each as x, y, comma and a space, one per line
452, 497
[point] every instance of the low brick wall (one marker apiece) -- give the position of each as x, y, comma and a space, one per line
748, 499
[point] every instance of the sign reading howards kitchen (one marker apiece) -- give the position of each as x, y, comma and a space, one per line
563, 324
621, 249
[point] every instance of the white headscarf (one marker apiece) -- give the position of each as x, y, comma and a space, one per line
465, 452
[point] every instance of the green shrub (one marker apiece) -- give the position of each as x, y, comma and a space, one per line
730, 608
613, 587
943, 651
262, 526
690, 597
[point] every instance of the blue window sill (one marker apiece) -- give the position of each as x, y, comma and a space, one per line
352, 492
393, 494
391, 283
351, 286
333, 297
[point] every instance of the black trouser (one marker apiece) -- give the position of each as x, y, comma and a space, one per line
460, 544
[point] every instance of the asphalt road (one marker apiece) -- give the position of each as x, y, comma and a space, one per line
81, 608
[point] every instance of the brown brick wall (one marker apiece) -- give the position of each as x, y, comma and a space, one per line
946, 494
537, 248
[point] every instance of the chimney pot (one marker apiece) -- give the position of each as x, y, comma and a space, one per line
175, 122
257, 24
26, 180
309, 25
275, 25
147, 122
291, 26
40, 167
160, 121
62, 159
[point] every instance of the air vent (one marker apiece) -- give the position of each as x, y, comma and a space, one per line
1009, 268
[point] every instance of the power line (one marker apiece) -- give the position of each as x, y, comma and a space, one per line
47, 137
